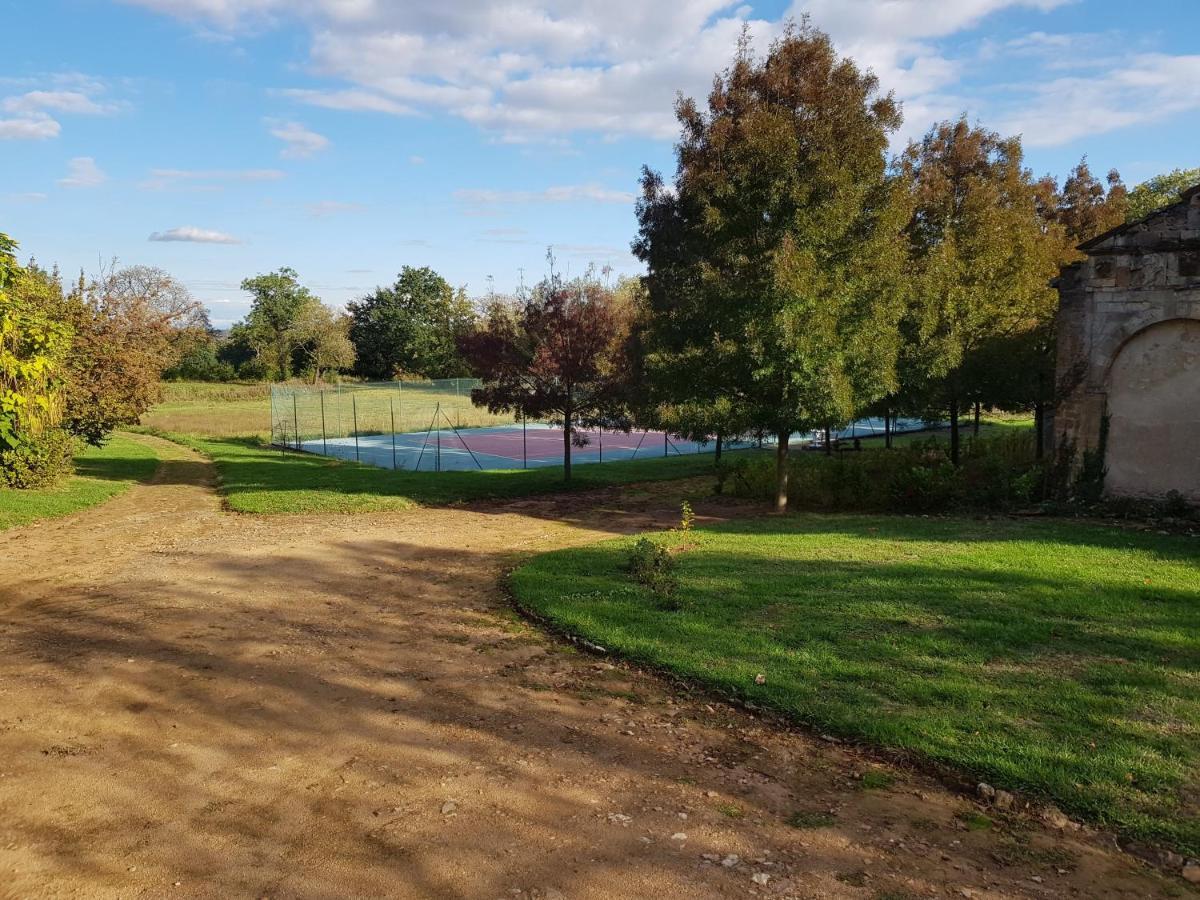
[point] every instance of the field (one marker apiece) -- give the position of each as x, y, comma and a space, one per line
100, 474
1059, 660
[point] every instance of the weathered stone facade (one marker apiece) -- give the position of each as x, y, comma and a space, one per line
1129, 350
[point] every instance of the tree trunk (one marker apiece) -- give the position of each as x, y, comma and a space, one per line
976, 431
718, 453
781, 472
1039, 426
954, 430
828, 443
566, 446
887, 430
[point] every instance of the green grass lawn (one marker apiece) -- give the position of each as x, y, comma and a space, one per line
1058, 659
100, 473
258, 479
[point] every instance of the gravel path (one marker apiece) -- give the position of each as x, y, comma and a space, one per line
196, 704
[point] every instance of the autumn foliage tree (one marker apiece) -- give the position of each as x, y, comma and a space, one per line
981, 259
561, 353
774, 257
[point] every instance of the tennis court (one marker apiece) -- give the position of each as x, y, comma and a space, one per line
499, 447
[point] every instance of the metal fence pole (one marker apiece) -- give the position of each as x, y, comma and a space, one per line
354, 413
524, 444
296, 420
437, 460
324, 439
601, 443
392, 408
666, 445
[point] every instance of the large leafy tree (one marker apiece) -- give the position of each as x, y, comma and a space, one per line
981, 260
34, 346
322, 338
277, 299
774, 258
561, 353
411, 327
1161, 190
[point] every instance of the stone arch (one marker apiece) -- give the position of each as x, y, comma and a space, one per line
1153, 388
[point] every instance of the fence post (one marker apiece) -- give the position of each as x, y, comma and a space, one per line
524, 444
354, 413
666, 445
324, 440
392, 408
601, 443
437, 460
296, 420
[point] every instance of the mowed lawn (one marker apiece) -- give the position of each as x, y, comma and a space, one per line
255, 478
100, 474
1057, 659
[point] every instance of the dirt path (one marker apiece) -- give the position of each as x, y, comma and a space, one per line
196, 704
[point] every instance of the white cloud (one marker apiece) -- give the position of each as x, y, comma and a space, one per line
299, 141
71, 102
542, 70
29, 128
27, 197
82, 172
192, 235
1141, 90
326, 208
563, 194
205, 179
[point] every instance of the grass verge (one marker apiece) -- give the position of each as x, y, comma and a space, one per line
257, 479
1058, 659
100, 474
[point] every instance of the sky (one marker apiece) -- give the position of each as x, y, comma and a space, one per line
218, 139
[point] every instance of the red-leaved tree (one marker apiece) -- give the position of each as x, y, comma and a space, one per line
561, 354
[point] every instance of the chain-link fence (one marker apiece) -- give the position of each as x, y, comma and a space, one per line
434, 426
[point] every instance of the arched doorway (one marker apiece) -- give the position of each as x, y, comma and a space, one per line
1154, 412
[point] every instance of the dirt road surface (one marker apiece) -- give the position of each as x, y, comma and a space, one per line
197, 704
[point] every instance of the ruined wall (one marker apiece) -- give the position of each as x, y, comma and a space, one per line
1129, 348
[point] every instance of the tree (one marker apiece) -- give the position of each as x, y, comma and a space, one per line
322, 338
277, 298
562, 352
411, 327
774, 259
981, 260
1159, 191
34, 346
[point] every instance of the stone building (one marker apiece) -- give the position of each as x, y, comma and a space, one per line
1129, 351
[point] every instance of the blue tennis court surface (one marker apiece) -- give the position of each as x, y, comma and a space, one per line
532, 446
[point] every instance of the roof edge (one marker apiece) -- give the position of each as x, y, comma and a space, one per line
1184, 197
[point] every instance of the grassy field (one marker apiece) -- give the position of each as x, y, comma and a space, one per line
212, 410
100, 473
258, 479
1058, 659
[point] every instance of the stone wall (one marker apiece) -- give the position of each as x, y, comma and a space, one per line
1129, 349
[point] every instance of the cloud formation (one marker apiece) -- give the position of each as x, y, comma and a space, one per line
191, 235
66, 93
546, 69
82, 172
205, 179
563, 194
299, 141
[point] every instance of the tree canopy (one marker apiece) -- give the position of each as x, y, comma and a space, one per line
774, 258
411, 327
1159, 191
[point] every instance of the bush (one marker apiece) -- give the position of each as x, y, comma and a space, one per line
653, 565
996, 474
200, 363
37, 462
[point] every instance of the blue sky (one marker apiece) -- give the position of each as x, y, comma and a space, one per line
346, 138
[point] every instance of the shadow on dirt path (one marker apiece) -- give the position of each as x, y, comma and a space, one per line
204, 705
